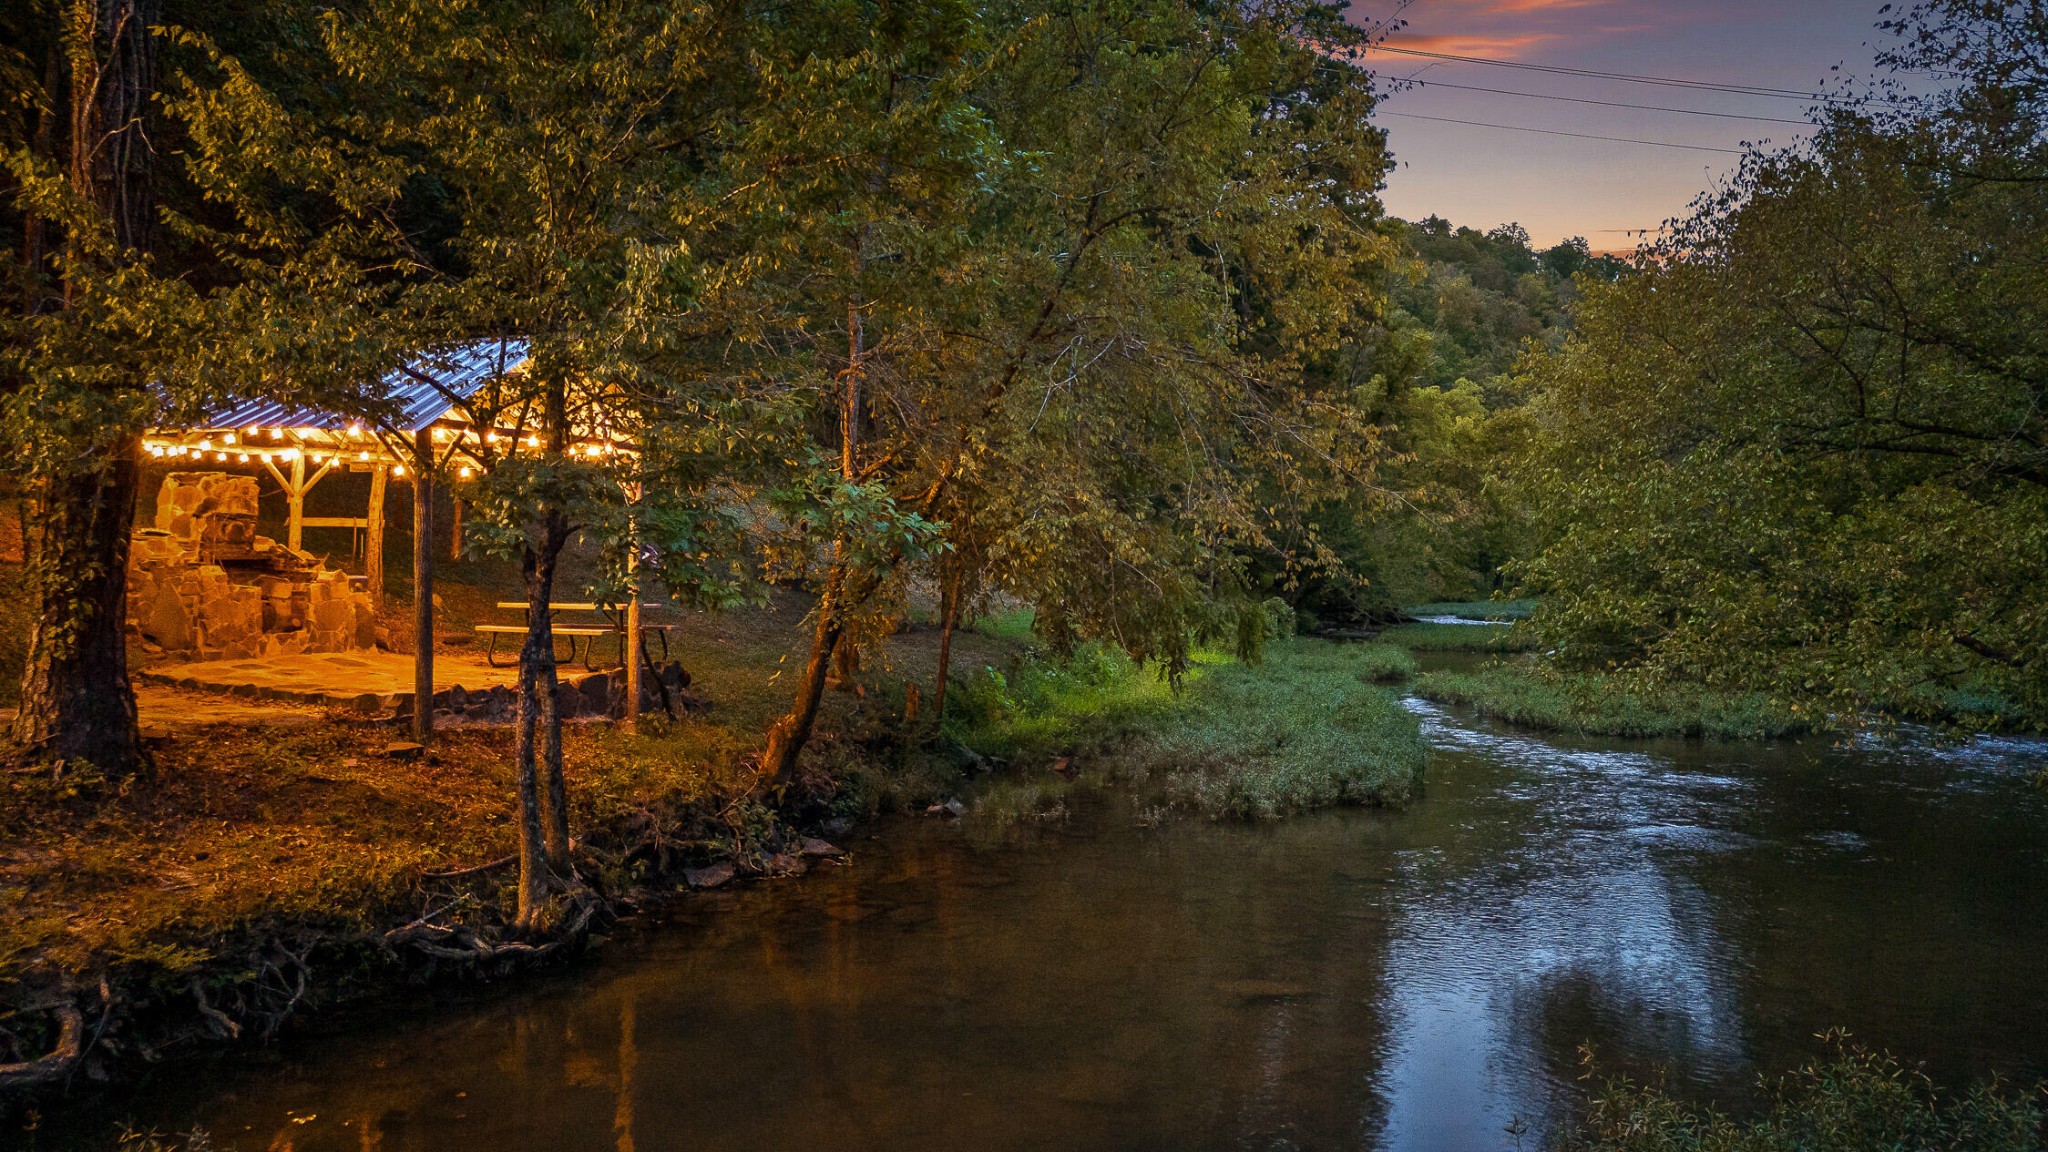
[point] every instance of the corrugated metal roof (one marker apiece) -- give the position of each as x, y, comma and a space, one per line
452, 377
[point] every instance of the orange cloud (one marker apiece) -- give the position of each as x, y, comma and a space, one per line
1473, 44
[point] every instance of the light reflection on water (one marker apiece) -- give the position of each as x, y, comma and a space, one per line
1415, 980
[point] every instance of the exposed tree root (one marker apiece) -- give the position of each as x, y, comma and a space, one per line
59, 1062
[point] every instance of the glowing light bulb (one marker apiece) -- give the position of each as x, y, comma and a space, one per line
252, 431
291, 453
397, 470
156, 449
465, 471
355, 429
206, 445
263, 456
243, 458
490, 437
229, 438
221, 457
362, 455
533, 441
277, 433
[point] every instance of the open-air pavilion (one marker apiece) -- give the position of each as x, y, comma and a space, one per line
449, 413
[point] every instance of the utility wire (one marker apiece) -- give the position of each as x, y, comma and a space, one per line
1604, 103
1556, 132
1628, 77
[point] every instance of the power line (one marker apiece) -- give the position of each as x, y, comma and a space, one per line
1626, 77
1605, 103
1556, 132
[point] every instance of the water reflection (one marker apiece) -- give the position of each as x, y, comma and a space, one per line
1419, 980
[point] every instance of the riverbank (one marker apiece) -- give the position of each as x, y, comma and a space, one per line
301, 862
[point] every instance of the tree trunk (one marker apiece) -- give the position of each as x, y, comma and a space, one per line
76, 702
533, 883
537, 759
786, 739
422, 586
949, 612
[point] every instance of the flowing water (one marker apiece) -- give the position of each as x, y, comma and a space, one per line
1413, 980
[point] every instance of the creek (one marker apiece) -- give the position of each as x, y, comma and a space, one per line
1420, 979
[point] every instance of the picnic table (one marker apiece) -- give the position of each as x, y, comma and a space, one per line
613, 623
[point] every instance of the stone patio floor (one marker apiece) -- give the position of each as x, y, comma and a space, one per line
366, 681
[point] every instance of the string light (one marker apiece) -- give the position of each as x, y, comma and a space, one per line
277, 433
222, 457
465, 471
156, 449
533, 441
291, 453
206, 445
244, 458
252, 431
397, 470
362, 455
228, 438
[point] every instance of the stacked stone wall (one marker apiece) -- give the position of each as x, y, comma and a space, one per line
276, 602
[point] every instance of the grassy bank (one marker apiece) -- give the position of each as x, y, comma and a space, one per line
1599, 705
1851, 1101
1304, 729
1496, 610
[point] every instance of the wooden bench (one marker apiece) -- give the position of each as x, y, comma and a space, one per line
615, 625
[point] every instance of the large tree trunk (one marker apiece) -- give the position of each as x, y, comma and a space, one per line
76, 702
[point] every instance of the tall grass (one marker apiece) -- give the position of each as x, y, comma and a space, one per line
1600, 705
1852, 1101
1303, 730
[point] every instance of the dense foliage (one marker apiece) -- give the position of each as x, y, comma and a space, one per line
1432, 373
1806, 450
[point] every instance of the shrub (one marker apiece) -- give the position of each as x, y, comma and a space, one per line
1852, 1101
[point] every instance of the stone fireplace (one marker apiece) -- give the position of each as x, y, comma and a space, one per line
203, 585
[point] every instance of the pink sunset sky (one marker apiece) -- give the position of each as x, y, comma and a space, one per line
1558, 186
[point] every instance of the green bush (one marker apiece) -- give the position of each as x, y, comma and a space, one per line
1039, 705
1600, 705
1853, 1101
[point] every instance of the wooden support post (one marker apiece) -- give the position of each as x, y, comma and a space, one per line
632, 645
373, 537
455, 530
423, 590
631, 642
295, 497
